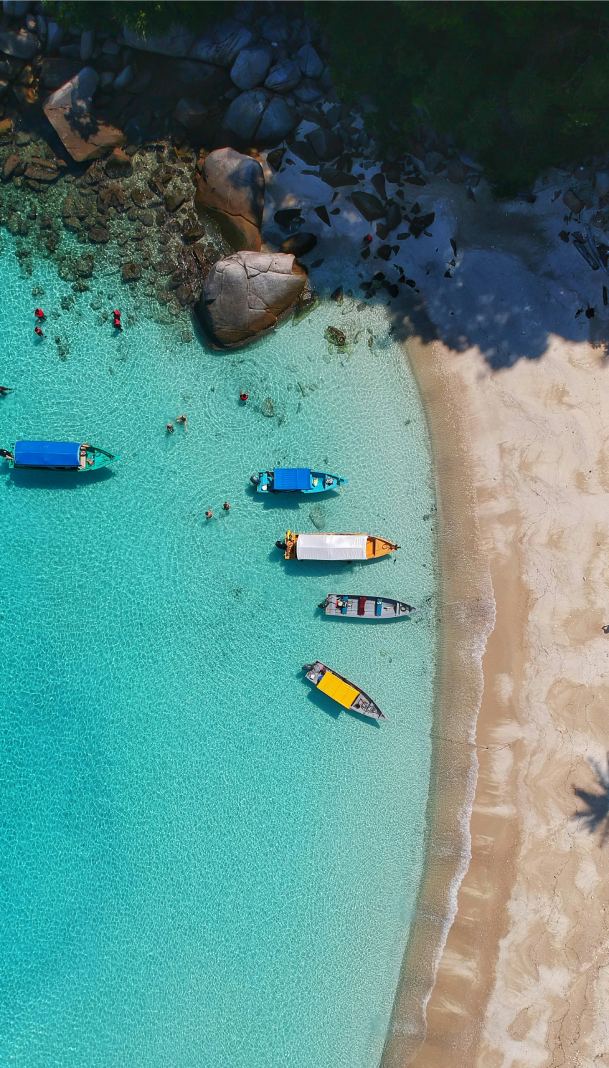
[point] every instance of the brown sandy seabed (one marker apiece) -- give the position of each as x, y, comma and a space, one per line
522, 465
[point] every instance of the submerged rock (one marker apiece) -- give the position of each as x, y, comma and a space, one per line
335, 336
231, 186
246, 294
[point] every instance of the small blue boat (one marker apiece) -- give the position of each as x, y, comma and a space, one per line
56, 456
296, 480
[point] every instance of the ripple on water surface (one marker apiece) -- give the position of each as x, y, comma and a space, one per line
202, 863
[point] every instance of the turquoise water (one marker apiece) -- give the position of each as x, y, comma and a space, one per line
200, 863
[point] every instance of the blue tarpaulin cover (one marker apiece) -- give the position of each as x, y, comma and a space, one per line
47, 453
292, 478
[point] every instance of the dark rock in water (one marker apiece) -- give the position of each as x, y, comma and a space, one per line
384, 252
244, 295
268, 407
283, 76
337, 178
378, 181
335, 336
337, 295
322, 212
231, 186
112, 196
299, 244
421, 223
192, 230
174, 200
275, 158
13, 166
118, 164
368, 205
42, 170
83, 266
99, 235
251, 66
304, 151
326, 144
130, 271
289, 219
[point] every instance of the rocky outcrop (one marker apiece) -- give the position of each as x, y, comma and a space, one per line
246, 294
283, 76
231, 186
70, 112
258, 117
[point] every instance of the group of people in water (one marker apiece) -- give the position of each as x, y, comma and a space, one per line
182, 420
40, 318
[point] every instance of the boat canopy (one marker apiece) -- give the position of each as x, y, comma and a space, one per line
292, 478
47, 454
338, 689
331, 546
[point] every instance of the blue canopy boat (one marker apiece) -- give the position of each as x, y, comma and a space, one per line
296, 480
56, 456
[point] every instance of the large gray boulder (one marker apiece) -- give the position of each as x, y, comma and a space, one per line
231, 186
258, 117
176, 42
70, 111
310, 63
251, 66
222, 43
283, 76
246, 294
18, 43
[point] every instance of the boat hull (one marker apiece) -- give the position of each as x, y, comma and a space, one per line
92, 459
356, 606
348, 548
359, 701
320, 482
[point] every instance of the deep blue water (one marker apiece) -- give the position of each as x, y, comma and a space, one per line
200, 863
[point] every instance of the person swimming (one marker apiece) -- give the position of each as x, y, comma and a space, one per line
209, 514
169, 427
38, 312
243, 397
226, 506
38, 331
183, 419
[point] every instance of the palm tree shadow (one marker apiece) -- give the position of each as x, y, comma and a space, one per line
595, 816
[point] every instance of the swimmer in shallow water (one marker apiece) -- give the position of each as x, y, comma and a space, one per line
169, 427
209, 514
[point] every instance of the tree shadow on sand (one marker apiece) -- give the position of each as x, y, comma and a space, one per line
595, 815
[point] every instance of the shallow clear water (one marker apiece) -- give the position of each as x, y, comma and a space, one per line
200, 863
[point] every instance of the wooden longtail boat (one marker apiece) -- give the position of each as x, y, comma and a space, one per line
342, 691
56, 456
334, 546
296, 480
356, 606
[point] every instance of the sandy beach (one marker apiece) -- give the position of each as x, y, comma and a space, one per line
523, 483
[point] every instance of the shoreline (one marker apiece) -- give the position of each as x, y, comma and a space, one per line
466, 617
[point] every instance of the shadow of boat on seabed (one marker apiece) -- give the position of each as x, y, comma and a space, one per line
594, 817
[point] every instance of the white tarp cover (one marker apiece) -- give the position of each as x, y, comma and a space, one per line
331, 546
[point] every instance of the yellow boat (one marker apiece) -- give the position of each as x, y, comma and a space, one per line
343, 692
335, 546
